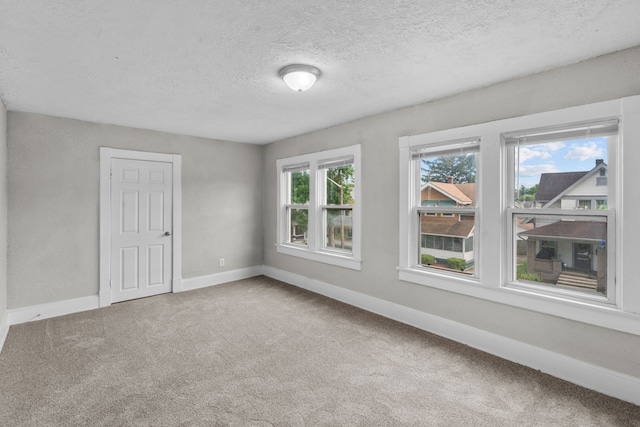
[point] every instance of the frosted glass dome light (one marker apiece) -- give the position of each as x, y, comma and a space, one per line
299, 77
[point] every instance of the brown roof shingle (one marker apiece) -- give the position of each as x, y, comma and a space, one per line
587, 230
445, 226
552, 184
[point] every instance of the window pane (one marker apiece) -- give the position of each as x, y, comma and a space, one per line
555, 174
340, 183
430, 241
468, 244
584, 204
562, 252
441, 242
298, 223
438, 242
299, 187
548, 249
339, 230
448, 180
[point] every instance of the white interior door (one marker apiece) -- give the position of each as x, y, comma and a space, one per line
141, 218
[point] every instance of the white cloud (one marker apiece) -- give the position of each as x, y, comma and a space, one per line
525, 154
589, 150
554, 146
536, 170
541, 151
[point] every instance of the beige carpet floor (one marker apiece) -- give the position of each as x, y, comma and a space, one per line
258, 352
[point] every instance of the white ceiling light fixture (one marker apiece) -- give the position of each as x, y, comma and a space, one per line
299, 77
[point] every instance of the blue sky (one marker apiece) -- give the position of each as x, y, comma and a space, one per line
564, 156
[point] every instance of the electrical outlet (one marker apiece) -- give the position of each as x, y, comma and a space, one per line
221, 262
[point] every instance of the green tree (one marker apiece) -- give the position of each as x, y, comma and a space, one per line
527, 194
300, 187
300, 196
461, 168
340, 185
339, 190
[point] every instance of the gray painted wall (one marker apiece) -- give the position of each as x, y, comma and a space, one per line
54, 203
607, 77
3, 211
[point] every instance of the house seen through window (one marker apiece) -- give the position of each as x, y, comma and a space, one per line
561, 207
446, 206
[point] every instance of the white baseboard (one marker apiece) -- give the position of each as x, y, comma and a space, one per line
606, 381
219, 278
53, 309
4, 329
60, 308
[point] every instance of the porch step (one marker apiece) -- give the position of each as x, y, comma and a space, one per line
577, 281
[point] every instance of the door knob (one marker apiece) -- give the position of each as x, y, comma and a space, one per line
166, 233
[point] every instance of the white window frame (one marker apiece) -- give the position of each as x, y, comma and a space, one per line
314, 249
438, 148
611, 297
493, 250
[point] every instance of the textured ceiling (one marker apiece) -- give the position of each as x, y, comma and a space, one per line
210, 68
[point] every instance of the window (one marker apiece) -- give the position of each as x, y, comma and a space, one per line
553, 219
547, 249
563, 163
319, 215
444, 203
584, 204
297, 203
337, 203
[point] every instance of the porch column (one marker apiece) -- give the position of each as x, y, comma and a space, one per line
557, 268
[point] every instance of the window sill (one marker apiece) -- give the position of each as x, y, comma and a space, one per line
594, 313
561, 294
326, 257
438, 279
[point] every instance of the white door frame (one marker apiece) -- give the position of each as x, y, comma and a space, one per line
106, 154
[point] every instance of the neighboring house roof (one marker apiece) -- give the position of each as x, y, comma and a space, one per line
463, 194
577, 230
553, 186
469, 190
453, 226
